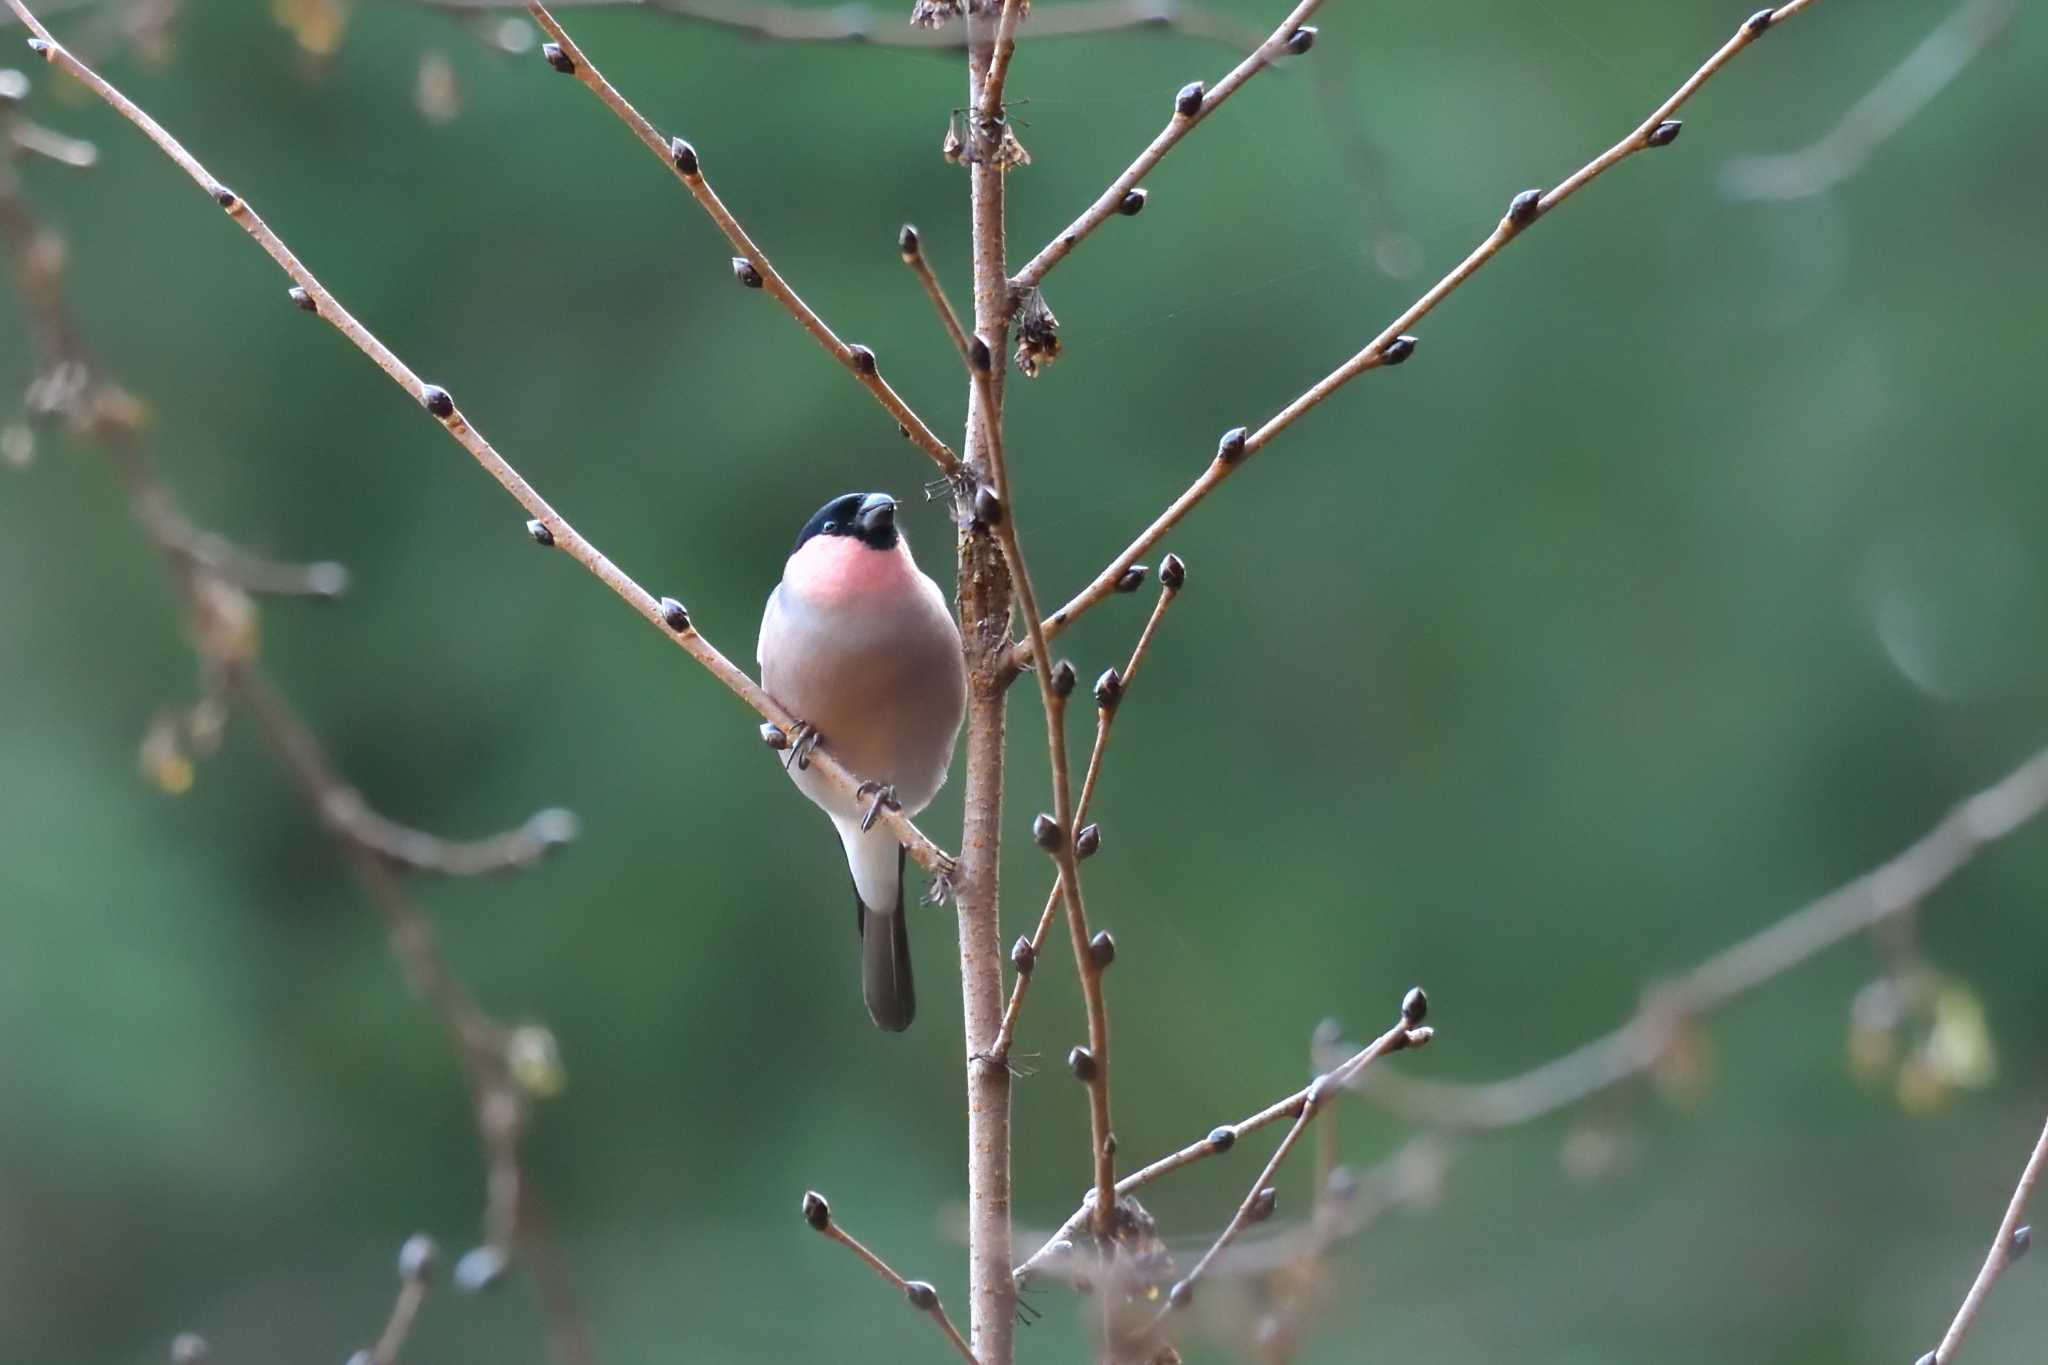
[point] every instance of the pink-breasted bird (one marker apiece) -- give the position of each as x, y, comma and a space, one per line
861, 646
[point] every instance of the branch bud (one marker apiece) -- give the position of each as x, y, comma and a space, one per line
1088, 842
1181, 1295
988, 508
1665, 133
1222, 1139
675, 615
817, 1212
1023, 956
922, 1296
1524, 207
979, 355
1758, 22
1109, 689
416, 1259
1133, 202
1062, 679
302, 299
2022, 1240
683, 156
1187, 102
1414, 1006
539, 531
558, 59
1102, 948
1230, 449
1047, 834
1398, 350
479, 1269
437, 401
1082, 1063
743, 271
1132, 578
773, 736
862, 359
907, 242
1263, 1204
1301, 40
1173, 573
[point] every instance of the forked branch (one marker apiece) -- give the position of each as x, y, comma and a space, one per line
549, 526
751, 265
1393, 345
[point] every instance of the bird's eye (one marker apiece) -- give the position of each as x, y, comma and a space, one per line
830, 527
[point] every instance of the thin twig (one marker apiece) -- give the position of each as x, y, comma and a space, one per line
920, 1294
861, 23
415, 1270
1185, 116
1393, 345
666, 615
911, 244
1092, 1064
682, 160
1896, 888
1307, 1100
2007, 1246
990, 103
1886, 109
1105, 720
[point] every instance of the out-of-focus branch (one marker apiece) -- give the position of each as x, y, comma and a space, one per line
1635, 1048
2009, 1245
752, 266
1879, 116
1191, 105
1309, 1099
919, 1294
861, 23
666, 614
504, 1067
1393, 345
415, 1272
1087, 838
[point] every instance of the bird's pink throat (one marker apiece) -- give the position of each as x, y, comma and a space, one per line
839, 570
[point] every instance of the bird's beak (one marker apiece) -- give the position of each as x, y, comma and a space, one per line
877, 514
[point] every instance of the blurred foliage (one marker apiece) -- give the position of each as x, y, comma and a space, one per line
1692, 567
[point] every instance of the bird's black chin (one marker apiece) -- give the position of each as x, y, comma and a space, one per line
875, 523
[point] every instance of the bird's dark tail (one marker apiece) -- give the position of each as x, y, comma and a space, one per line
885, 960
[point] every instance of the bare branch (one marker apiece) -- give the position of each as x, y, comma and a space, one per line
755, 270
1054, 833
665, 614
911, 244
1890, 105
1894, 889
2008, 1246
921, 1296
415, 1271
856, 22
1393, 345
1194, 103
1172, 574
504, 1067
1410, 1032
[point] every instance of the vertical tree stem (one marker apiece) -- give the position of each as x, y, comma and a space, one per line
984, 600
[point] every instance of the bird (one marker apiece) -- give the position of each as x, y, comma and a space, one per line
861, 646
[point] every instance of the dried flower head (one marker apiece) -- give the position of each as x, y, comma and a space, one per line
1038, 335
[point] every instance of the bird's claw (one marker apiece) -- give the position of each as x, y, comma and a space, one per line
803, 741
942, 885
883, 794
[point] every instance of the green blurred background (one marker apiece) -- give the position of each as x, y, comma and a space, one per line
1690, 569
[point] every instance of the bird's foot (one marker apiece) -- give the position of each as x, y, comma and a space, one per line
942, 885
883, 794
803, 741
